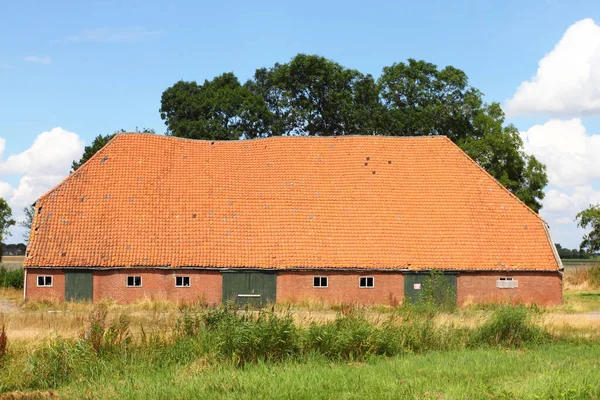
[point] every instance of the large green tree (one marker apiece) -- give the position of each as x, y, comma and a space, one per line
6, 221
311, 95
590, 219
220, 109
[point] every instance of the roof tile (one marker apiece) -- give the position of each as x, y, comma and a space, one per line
286, 202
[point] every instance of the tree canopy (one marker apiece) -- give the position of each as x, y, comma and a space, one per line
29, 213
590, 219
6, 221
314, 96
567, 254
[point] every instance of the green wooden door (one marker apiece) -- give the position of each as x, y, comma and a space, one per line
78, 285
442, 287
255, 289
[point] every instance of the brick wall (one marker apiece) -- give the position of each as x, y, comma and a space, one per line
542, 288
54, 293
158, 284
296, 287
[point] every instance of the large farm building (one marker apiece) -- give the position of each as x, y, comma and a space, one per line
356, 219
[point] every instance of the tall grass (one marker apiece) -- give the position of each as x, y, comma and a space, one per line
226, 335
583, 276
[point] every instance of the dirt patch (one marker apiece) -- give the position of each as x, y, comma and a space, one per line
8, 306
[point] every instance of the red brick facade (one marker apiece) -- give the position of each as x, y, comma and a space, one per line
158, 284
54, 293
343, 287
542, 288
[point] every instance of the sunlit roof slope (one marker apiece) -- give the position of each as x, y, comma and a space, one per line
286, 202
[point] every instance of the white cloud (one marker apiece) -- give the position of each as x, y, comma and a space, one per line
38, 60
567, 81
41, 167
125, 34
570, 154
5, 66
560, 209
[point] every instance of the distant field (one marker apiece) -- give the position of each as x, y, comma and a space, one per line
13, 262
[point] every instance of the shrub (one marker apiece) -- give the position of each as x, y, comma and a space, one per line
54, 364
437, 295
349, 337
188, 324
510, 326
100, 337
11, 278
246, 337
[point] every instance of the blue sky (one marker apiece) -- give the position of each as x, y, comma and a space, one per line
97, 66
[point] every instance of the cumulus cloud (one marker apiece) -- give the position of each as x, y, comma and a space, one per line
44, 164
124, 34
569, 152
567, 81
38, 60
560, 208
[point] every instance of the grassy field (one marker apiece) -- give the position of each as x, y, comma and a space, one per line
545, 372
154, 349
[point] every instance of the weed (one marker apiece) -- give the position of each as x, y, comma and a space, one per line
3, 346
510, 326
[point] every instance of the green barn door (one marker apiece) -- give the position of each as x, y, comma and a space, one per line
255, 289
442, 287
78, 285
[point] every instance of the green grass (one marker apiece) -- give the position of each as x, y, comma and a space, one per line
227, 353
545, 372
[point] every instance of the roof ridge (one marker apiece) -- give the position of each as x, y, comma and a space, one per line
465, 155
283, 137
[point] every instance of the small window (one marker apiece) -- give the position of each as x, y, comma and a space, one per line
44, 281
320, 281
182, 281
134, 281
507, 283
367, 282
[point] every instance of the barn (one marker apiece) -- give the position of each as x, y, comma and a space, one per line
352, 219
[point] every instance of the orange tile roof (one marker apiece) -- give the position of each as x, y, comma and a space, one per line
286, 202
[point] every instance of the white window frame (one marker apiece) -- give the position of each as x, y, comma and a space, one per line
507, 283
366, 278
320, 281
183, 285
134, 285
37, 280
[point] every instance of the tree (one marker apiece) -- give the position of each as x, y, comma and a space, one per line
29, 212
220, 109
590, 218
98, 143
422, 100
311, 95
6, 221
314, 96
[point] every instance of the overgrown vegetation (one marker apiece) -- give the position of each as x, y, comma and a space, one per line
228, 336
589, 276
11, 278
